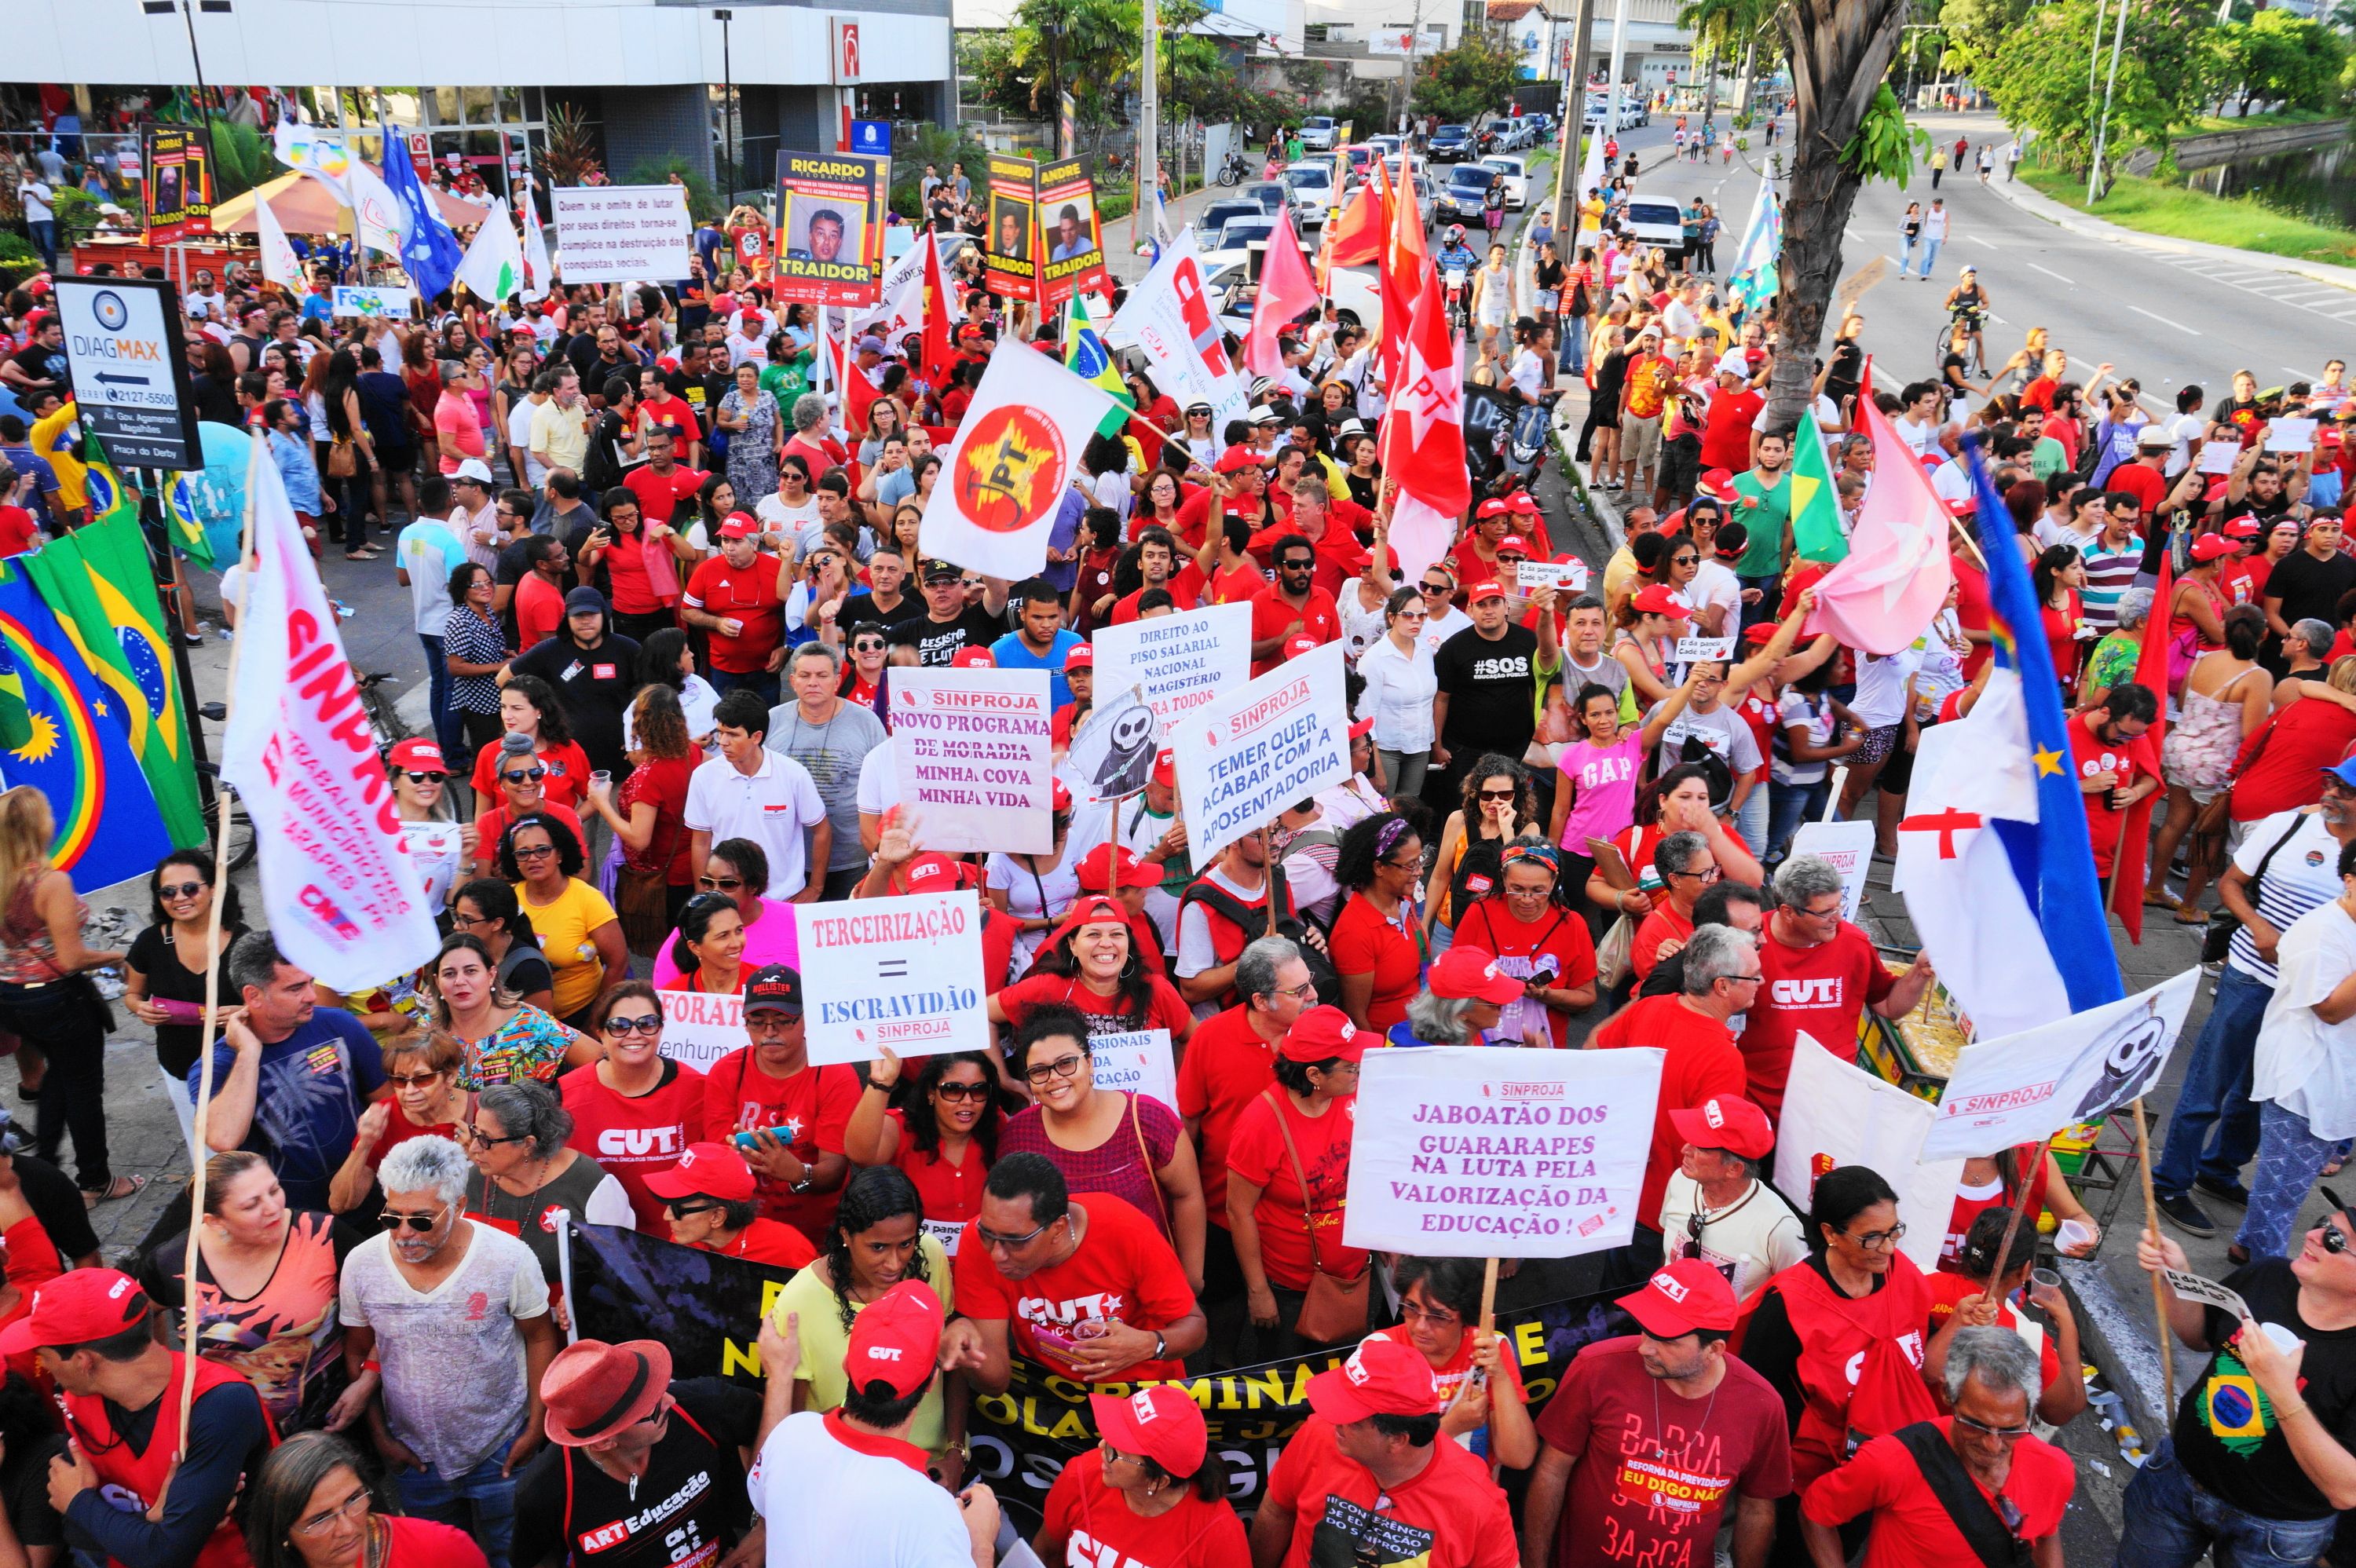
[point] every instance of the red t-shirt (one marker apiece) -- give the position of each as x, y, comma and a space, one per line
1629, 1502
566, 782
18, 531
663, 784
633, 1140
1450, 1515
1257, 1155
748, 594
1971, 609
814, 1106
660, 493
1557, 944
422, 1543
1821, 989
676, 415
624, 566
2146, 484
539, 607
1125, 610
950, 1194
1726, 437
767, 1242
1099, 1529
1702, 1062
1122, 1269
1949, 1291
1320, 618
1167, 1009
1194, 518
1226, 1065
2286, 771
1661, 925
2133, 760
1911, 1525
1363, 942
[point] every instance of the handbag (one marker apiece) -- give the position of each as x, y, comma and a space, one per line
343, 459
1334, 1309
2219, 938
1145, 1153
642, 900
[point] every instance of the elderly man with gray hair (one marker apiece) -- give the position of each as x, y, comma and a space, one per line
811, 440
446, 1332
1974, 1486
1821, 974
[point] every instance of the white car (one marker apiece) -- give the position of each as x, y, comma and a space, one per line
1312, 185
1517, 177
1356, 289
1317, 134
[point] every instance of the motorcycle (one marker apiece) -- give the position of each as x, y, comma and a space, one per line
1457, 297
1235, 170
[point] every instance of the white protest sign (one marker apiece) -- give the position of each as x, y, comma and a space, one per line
1138, 1061
2219, 457
390, 302
1250, 752
2290, 435
2208, 1292
1469, 1152
1835, 1113
904, 973
1112, 755
2021, 1088
702, 1027
975, 754
621, 233
1179, 662
1700, 650
1849, 847
1533, 575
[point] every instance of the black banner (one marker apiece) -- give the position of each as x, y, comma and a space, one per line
178, 189
707, 1308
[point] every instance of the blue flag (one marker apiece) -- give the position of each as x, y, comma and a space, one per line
2052, 857
431, 254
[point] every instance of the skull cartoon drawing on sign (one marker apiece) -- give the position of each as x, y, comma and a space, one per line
2131, 1064
1129, 759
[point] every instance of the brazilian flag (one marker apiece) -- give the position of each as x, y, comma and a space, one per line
1084, 355
1815, 505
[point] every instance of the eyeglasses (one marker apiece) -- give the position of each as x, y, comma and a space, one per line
989, 1238
683, 1209
719, 885
1364, 1551
394, 1219
518, 775
357, 1506
531, 852
470, 1133
182, 891
1062, 1067
1874, 1240
962, 1090
418, 778
2008, 1433
1832, 914
414, 1080
648, 1024
1706, 874
1742, 979
468, 921
1410, 1312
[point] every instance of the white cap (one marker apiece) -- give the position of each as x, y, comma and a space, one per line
472, 468
1735, 363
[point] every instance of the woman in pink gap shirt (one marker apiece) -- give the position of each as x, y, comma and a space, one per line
739, 868
1596, 797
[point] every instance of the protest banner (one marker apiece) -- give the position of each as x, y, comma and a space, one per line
1571, 575
1179, 662
390, 301
2022, 1088
1112, 755
2290, 435
706, 1307
2208, 1292
177, 194
1171, 318
1070, 233
1136, 1062
702, 1027
342, 898
621, 233
831, 227
901, 972
1835, 1114
975, 754
1697, 650
1009, 245
2219, 457
1848, 846
1004, 479
1469, 1152
1248, 754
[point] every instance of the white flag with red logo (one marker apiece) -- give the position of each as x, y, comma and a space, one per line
1423, 436
342, 898
1004, 476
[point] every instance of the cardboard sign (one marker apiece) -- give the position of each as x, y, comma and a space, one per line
1009, 239
622, 233
975, 754
1178, 662
904, 973
701, 1026
1136, 1062
1849, 847
176, 196
2208, 1292
1249, 754
1705, 650
2219, 457
389, 301
1469, 1152
831, 227
1835, 1113
2290, 435
1534, 575
1070, 234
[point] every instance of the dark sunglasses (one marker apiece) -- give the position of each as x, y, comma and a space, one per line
394, 1219
1498, 795
683, 1209
532, 852
868, 645
645, 1023
182, 889
719, 885
1438, 588
413, 1080
418, 778
518, 775
962, 1090
1298, 563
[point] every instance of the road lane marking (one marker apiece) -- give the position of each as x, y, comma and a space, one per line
1977, 240
2054, 275
2164, 321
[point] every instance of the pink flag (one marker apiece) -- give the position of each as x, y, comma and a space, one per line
1896, 575
1285, 289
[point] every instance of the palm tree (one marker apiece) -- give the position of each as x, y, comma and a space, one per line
1719, 27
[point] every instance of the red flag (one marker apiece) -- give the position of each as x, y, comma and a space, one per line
1405, 261
940, 348
1359, 234
1286, 290
1425, 452
858, 393
2128, 862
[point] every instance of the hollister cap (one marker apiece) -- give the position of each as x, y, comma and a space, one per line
420, 755
76, 1309
1470, 974
776, 987
894, 1339
1727, 1122
705, 1170
1160, 1422
1382, 1377
1682, 1296
1322, 1034
593, 1390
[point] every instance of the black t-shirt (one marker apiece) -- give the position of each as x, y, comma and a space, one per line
57, 1203
605, 462
595, 685
41, 364
24, 1491
2310, 589
691, 1498
862, 606
1491, 690
937, 644
1846, 370
169, 980
1610, 376
2227, 1435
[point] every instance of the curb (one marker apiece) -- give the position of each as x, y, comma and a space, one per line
2116, 1337
2038, 204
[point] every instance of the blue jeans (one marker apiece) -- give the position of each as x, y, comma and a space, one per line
44, 240
2169, 1521
763, 685
449, 730
1787, 808
1930, 254
1752, 818
2216, 1091
1574, 345
482, 1502
2290, 1159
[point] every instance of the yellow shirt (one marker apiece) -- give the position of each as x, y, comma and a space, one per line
563, 927
62, 455
825, 1341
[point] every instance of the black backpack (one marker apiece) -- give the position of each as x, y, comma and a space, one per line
1301, 933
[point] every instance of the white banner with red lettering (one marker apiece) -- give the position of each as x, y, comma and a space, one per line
702, 1027
1260, 748
902, 973
341, 897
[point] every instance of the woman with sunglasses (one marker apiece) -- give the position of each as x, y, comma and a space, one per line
863, 672
579, 932
1125, 1145
1092, 964
792, 511
1375, 942
519, 1137
521, 791
1479, 1378
310, 1505
529, 706
504, 1038
487, 910
738, 869
1497, 807
1441, 618
164, 973
1539, 941
1151, 1491
943, 1135
426, 1102
707, 1202
709, 948
1977, 1293
634, 1106
441, 847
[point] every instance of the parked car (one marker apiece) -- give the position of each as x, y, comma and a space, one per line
1633, 110
1657, 221
1317, 134
1515, 169
1239, 232
1312, 185
1215, 215
1461, 198
1268, 194
1450, 142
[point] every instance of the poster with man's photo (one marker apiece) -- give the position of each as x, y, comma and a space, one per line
1010, 246
831, 227
178, 191
1071, 243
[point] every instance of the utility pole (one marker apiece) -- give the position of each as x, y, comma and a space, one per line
1619, 53
1574, 131
1149, 128
197, 60
727, 107
2095, 51
2102, 128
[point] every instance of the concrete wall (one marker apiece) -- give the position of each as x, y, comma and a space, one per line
2212, 148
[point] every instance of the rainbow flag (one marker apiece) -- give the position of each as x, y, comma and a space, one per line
78, 755
16, 719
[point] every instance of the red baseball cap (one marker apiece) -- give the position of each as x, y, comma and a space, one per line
1060, 797
1727, 1122
895, 1339
1362, 729
1159, 1422
2209, 546
1525, 502
1760, 633
1079, 656
1485, 590
974, 658
1659, 599
1236, 459
76, 1309
707, 1170
1382, 1377
1165, 768
1496, 507
2244, 527
1470, 974
740, 525
1516, 543
1682, 1296
1323, 1033
1719, 486
933, 873
1109, 866
419, 756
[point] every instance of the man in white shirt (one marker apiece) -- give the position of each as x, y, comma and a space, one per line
1918, 425
1717, 1209
751, 792
519, 457
425, 555
204, 301
36, 196
2302, 1079
846, 1484
475, 513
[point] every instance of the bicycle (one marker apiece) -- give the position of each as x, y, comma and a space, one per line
384, 717
243, 843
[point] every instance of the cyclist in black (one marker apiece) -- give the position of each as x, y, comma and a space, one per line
1968, 306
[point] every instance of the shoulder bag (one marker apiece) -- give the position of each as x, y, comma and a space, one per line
1334, 1308
1990, 1536
642, 898
2219, 938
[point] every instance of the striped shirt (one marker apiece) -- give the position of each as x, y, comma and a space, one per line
2109, 574
2304, 872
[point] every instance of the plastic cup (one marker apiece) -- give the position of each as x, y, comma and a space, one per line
600, 778
2073, 1234
2285, 1341
2045, 1276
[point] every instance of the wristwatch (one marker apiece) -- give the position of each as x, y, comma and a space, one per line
1160, 1349
801, 1186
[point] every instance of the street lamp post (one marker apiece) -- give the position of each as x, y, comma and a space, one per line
727, 107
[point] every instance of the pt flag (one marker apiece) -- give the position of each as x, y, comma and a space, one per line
1423, 435
1889, 586
1169, 317
340, 895
1005, 475
108, 829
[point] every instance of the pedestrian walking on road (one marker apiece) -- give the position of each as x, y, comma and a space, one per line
1938, 168
1987, 162
1934, 234
2012, 162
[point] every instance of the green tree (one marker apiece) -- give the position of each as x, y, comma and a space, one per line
1724, 31
2168, 67
1460, 83
1974, 29
2277, 57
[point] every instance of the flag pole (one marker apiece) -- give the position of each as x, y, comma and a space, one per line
2019, 1208
2151, 1228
